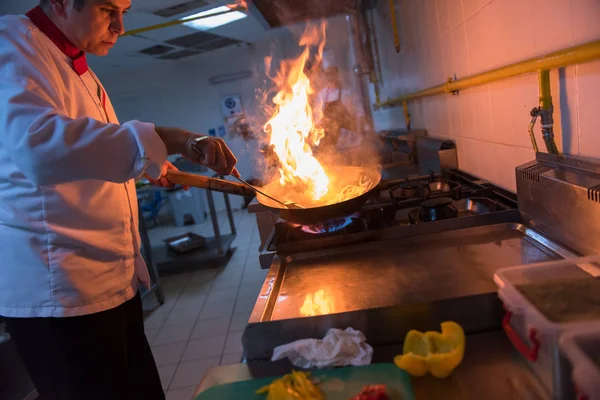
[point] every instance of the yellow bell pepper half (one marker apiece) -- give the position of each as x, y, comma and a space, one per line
434, 352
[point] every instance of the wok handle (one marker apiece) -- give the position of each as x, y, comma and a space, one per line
213, 184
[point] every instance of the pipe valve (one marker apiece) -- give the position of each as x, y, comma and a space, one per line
547, 121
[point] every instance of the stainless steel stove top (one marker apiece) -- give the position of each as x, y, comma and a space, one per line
399, 266
426, 199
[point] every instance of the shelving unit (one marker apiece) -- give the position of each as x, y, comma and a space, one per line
217, 247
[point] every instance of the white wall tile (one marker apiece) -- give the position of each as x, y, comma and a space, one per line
512, 100
447, 50
548, 15
469, 160
566, 108
455, 122
588, 87
585, 20
443, 13
456, 13
509, 31
472, 7
460, 53
481, 110
477, 44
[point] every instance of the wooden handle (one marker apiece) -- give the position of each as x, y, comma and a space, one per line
204, 182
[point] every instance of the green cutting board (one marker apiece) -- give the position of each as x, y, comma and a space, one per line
337, 384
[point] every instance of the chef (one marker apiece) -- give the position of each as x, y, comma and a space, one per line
340, 113
71, 263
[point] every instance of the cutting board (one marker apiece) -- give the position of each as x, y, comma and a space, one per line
337, 384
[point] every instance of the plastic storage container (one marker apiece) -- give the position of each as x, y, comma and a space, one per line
533, 334
582, 349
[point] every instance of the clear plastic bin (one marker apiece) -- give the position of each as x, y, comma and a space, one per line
531, 333
582, 349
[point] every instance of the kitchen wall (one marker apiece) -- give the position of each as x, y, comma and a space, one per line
448, 38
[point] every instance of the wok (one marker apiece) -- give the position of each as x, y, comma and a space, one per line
302, 216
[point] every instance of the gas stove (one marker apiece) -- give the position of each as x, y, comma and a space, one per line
421, 251
423, 199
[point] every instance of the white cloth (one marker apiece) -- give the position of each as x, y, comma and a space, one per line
68, 206
337, 349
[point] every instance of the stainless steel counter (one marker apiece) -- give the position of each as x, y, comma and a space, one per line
407, 277
414, 270
490, 370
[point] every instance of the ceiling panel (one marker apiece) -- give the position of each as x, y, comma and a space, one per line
169, 33
193, 40
180, 54
156, 50
217, 44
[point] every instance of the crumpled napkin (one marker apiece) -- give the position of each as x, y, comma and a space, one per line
337, 349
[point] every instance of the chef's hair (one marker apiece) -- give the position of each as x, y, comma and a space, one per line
77, 4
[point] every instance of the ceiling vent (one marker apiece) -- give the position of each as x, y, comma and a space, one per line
217, 44
194, 40
180, 8
180, 54
156, 50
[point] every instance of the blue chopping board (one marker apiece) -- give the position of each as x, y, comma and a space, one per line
337, 384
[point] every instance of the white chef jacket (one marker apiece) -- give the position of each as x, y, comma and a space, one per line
68, 206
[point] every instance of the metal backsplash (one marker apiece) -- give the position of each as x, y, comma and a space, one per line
560, 196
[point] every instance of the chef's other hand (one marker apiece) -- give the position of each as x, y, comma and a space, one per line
206, 150
213, 153
162, 181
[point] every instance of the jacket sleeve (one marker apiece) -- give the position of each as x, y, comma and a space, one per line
50, 148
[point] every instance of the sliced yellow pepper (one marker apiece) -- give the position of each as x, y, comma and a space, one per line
294, 386
433, 352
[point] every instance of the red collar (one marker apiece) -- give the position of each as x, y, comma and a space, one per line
45, 24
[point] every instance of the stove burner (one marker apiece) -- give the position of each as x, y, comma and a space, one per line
439, 186
409, 190
437, 208
330, 226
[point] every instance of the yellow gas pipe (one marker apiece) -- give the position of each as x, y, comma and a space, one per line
545, 92
562, 58
395, 25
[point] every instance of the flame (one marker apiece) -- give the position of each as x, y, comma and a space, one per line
291, 128
316, 304
330, 226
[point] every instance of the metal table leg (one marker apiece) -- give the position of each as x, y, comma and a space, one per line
147, 253
229, 213
215, 221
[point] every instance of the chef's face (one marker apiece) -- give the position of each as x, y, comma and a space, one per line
95, 27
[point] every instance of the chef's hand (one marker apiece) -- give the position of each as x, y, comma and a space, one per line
162, 181
206, 150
